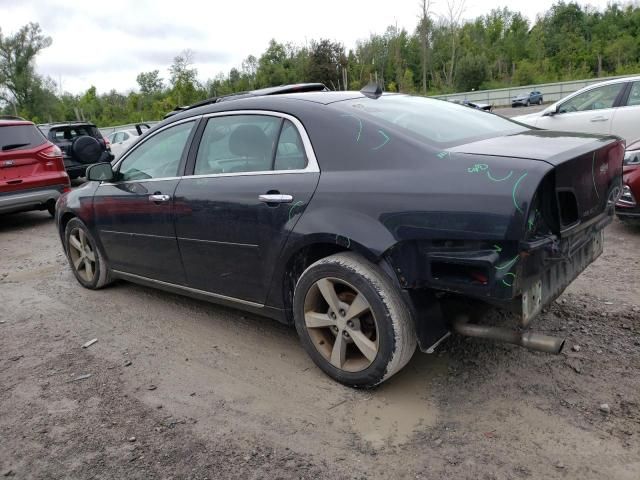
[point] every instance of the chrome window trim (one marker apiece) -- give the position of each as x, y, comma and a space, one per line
312, 161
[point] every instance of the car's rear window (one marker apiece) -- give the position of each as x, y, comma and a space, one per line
436, 121
19, 137
61, 134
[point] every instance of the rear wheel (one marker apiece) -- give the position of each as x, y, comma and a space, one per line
352, 320
51, 208
87, 262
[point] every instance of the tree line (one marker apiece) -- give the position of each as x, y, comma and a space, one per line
443, 54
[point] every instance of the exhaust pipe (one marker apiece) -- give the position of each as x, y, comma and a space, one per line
530, 340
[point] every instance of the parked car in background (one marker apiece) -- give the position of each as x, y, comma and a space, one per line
611, 107
526, 99
372, 222
81, 143
120, 140
480, 106
32, 174
627, 206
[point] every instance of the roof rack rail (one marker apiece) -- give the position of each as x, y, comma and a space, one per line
11, 117
279, 90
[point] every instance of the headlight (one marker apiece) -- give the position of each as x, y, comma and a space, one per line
632, 157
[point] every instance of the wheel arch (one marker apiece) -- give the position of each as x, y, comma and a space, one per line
297, 258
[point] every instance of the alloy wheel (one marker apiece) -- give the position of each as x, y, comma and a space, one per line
341, 324
82, 255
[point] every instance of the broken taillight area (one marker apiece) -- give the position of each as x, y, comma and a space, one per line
453, 273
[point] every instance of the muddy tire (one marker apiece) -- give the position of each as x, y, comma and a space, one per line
85, 258
352, 320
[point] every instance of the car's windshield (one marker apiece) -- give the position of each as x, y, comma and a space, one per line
18, 137
439, 122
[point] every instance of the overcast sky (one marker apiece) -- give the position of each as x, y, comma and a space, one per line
107, 44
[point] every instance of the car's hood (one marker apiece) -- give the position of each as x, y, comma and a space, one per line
529, 119
547, 145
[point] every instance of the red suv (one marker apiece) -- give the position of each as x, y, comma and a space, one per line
32, 174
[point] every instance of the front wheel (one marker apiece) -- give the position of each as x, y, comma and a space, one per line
352, 320
85, 258
528, 103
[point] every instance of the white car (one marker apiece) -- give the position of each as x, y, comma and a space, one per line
121, 139
611, 107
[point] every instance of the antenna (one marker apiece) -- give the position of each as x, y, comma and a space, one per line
372, 90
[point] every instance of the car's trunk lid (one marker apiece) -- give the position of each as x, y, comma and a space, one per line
587, 168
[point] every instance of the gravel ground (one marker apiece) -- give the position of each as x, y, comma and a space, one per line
176, 388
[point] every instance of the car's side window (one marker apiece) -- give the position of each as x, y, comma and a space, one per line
159, 156
290, 154
594, 99
125, 136
237, 143
634, 95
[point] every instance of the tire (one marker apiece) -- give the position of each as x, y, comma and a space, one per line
540, 101
384, 330
100, 275
528, 103
51, 208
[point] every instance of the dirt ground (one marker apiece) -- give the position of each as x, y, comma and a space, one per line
176, 388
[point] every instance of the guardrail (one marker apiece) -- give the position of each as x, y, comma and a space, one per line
551, 92
106, 131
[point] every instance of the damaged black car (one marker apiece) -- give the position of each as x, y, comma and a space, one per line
372, 222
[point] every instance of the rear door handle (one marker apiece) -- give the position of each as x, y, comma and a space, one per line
156, 197
275, 198
599, 119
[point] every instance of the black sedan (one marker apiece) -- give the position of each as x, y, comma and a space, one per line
371, 222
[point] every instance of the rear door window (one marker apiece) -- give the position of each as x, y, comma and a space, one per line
290, 154
237, 143
634, 95
20, 137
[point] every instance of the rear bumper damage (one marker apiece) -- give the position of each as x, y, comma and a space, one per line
458, 287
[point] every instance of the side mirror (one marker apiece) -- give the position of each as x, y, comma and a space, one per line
100, 172
552, 112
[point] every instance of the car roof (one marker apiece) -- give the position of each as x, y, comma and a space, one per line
8, 123
65, 124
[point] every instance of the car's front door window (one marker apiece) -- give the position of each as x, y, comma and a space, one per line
158, 157
237, 143
594, 99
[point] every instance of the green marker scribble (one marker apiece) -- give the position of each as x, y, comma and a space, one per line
507, 265
478, 167
513, 275
359, 123
593, 176
386, 140
532, 221
513, 193
442, 154
499, 179
497, 248
293, 207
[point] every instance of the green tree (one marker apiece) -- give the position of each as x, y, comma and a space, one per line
19, 83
